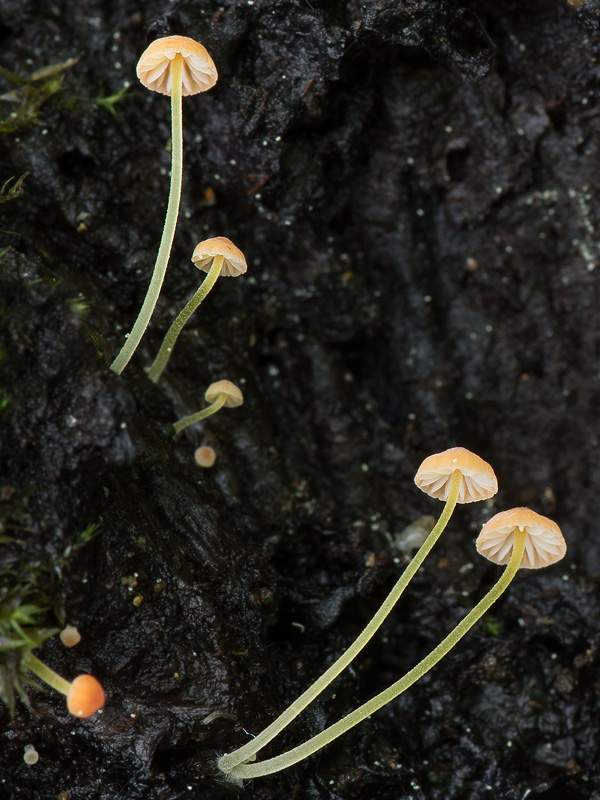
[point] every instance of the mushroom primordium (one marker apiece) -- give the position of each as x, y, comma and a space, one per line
30, 755
84, 695
218, 256
455, 476
176, 66
70, 636
520, 538
219, 394
205, 456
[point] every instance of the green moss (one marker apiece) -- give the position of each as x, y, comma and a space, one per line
10, 192
21, 631
79, 306
493, 627
110, 101
23, 608
28, 95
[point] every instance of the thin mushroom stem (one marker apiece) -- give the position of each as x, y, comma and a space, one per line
168, 343
229, 762
329, 734
166, 241
47, 675
206, 412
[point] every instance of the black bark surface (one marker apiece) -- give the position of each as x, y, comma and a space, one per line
414, 186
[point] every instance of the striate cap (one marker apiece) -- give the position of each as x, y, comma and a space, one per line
198, 72
478, 482
234, 263
544, 544
233, 394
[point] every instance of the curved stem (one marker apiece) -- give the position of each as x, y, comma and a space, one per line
377, 702
164, 251
47, 675
168, 343
229, 761
206, 412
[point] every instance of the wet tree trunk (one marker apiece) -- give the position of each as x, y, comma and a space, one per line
414, 187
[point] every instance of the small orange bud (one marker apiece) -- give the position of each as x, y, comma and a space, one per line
85, 697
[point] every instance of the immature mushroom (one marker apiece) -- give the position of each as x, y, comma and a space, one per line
535, 541
84, 695
70, 636
30, 755
205, 456
176, 66
219, 394
218, 256
207, 252
455, 475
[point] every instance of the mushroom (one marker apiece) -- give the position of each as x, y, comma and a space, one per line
84, 695
205, 456
218, 256
544, 543
520, 537
219, 394
70, 636
478, 479
30, 755
455, 475
176, 66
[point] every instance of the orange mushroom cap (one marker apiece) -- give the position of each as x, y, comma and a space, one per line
85, 697
544, 544
198, 70
234, 262
478, 482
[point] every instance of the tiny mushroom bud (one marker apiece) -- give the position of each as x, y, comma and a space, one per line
30, 755
218, 256
70, 636
219, 394
175, 66
205, 456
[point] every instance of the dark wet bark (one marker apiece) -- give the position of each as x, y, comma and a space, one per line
414, 186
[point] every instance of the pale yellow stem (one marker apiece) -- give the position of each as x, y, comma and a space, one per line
278, 763
166, 348
247, 751
47, 675
166, 242
206, 412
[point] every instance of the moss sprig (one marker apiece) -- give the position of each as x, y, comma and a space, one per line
21, 632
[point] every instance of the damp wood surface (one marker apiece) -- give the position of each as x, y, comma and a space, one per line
414, 187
